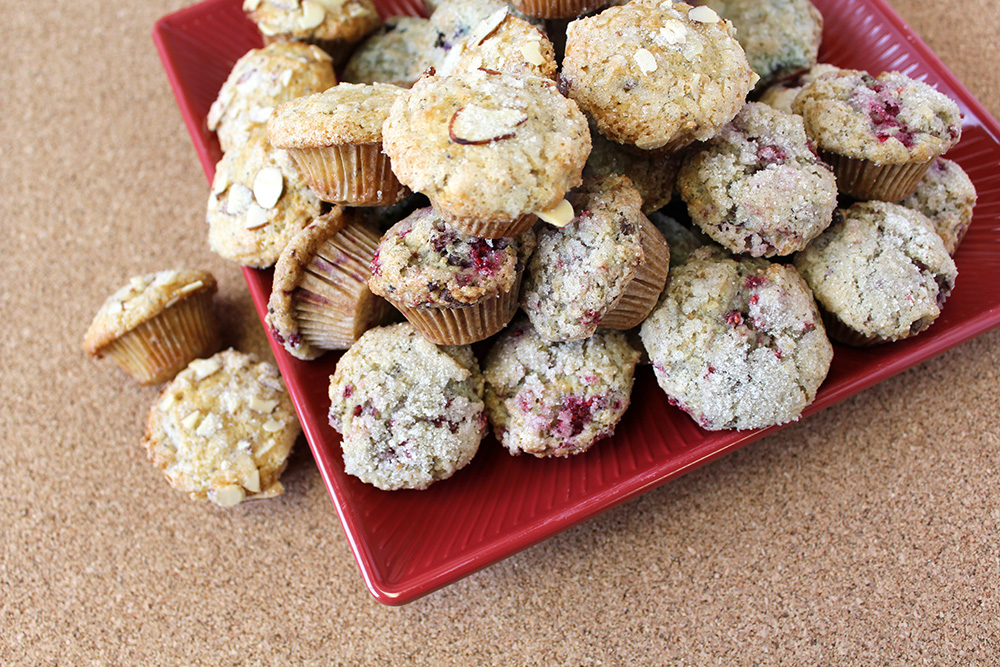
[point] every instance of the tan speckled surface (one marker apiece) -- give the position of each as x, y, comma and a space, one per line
867, 534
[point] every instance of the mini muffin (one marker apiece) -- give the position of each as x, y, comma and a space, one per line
261, 80
880, 271
455, 19
737, 343
453, 287
333, 25
154, 326
335, 139
410, 413
656, 75
946, 196
257, 204
504, 43
682, 239
781, 94
222, 429
319, 296
881, 134
401, 50
557, 399
780, 37
489, 149
653, 174
605, 269
758, 186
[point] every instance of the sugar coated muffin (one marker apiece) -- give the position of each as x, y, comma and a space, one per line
780, 37
333, 25
737, 343
880, 271
504, 43
946, 196
656, 74
653, 174
222, 429
410, 413
261, 80
489, 149
453, 287
319, 295
881, 133
557, 399
398, 53
156, 324
758, 186
257, 203
606, 268
335, 139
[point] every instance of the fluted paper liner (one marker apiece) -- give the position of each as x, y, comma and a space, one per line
159, 348
461, 325
556, 9
350, 174
644, 291
485, 229
864, 180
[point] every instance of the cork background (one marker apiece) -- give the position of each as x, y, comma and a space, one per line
866, 534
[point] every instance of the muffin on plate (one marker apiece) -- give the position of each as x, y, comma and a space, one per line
398, 53
156, 324
504, 43
333, 25
946, 196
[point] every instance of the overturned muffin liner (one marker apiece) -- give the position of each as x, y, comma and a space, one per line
644, 291
350, 174
159, 348
461, 325
485, 229
556, 9
865, 180
332, 304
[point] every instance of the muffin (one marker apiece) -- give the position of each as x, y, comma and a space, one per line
605, 269
780, 37
758, 187
489, 149
158, 323
653, 174
398, 53
335, 140
319, 296
880, 134
737, 343
410, 413
557, 399
257, 203
261, 80
946, 196
880, 272
453, 287
656, 75
222, 429
333, 25
504, 43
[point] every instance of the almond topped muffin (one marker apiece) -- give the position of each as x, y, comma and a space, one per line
333, 25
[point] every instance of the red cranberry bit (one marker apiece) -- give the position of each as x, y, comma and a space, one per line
770, 154
348, 390
357, 410
734, 318
754, 298
375, 265
438, 422
575, 415
487, 255
591, 317
277, 336
808, 326
754, 281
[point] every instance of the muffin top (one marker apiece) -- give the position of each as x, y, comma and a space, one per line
258, 202
737, 343
946, 196
580, 272
222, 429
656, 74
652, 174
486, 145
422, 261
410, 412
348, 20
557, 399
780, 37
504, 43
881, 269
143, 298
348, 113
888, 119
261, 80
398, 53
758, 186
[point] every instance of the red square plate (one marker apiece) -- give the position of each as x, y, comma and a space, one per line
408, 543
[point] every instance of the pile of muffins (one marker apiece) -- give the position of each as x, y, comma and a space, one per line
566, 187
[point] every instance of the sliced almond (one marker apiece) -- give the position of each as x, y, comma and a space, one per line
532, 52
313, 15
261, 405
208, 426
272, 426
251, 481
240, 198
559, 215
268, 186
191, 421
486, 27
672, 32
190, 287
256, 218
259, 114
250, 5
703, 14
202, 368
474, 124
645, 60
228, 496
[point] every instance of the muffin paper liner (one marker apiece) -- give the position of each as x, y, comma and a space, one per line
556, 9
865, 180
644, 291
489, 230
462, 325
159, 348
350, 174
332, 304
